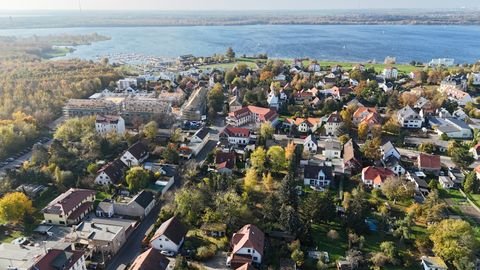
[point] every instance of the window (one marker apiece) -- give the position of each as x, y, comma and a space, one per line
248, 250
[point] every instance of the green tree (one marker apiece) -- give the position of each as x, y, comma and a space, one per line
266, 131
39, 155
317, 207
371, 149
231, 208
229, 77
190, 204
150, 131
230, 54
276, 158
137, 178
391, 126
429, 148
453, 240
461, 157
298, 257
471, 183
14, 207
394, 188
288, 193
170, 153
216, 98
257, 159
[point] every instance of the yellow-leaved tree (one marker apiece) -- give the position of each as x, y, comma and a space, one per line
14, 206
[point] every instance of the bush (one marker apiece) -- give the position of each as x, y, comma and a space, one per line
205, 252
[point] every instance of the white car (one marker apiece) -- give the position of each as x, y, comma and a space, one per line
167, 253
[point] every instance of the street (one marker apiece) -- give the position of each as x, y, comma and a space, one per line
133, 247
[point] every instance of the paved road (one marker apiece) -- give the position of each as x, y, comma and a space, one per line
133, 247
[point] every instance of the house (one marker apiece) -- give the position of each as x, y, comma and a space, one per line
352, 161
139, 206
105, 208
363, 113
236, 135
446, 182
69, 207
247, 246
314, 67
418, 178
408, 118
340, 92
214, 229
273, 100
310, 144
433, 263
388, 150
429, 163
333, 122
225, 162
199, 140
251, 115
56, 259
332, 149
169, 236
109, 124
303, 97
151, 259
317, 176
105, 235
111, 174
425, 106
456, 93
375, 176
475, 150
390, 73
457, 176
305, 125
234, 104
135, 155
439, 62
394, 164
452, 127
475, 78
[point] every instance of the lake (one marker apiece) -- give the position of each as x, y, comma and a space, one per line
324, 42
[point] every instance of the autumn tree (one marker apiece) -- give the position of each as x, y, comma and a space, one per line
150, 131
216, 98
394, 188
268, 181
276, 158
14, 206
371, 149
392, 126
257, 159
363, 130
137, 178
290, 152
251, 180
266, 131
454, 240
170, 153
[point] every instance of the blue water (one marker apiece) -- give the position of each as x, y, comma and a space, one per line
325, 42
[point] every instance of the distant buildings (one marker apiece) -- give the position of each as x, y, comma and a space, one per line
123, 84
439, 62
390, 73
174, 98
88, 107
196, 105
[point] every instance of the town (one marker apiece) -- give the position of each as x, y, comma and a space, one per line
229, 162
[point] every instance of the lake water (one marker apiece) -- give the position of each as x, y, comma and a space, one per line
325, 42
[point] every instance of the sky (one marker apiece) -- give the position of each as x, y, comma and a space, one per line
229, 4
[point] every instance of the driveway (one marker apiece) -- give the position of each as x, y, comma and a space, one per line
133, 247
217, 262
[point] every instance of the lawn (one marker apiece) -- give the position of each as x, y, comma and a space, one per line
475, 198
9, 238
228, 66
100, 196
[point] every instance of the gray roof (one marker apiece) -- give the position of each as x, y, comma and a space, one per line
202, 133
388, 146
144, 198
335, 145
407, 112
312, 171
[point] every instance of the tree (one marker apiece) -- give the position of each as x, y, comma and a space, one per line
391, 126
180, 263
170, 153
268, 181
371, 149
229, 77
427, 147
39, 155
453, 240
298, 257
461, 157
343, 139
276, 158
251, 179
363, 130
190, 204
266, 131
389, 249
137, 178
290, 152
257, 159
471, 183
230, 54
150, 131
216, 98
289, 220
14, 207
288, 193
317, 207
394, 188
266, 75
231, 208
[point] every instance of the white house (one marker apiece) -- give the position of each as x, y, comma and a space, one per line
390, 73
109, 124
135, 155
408, 118
247, 246
446, 182
333, 122
236, 135
112, 173
310, 144
394, 164
332, 149
317, 176
438, 62
452, 127
388, 150
475, 78
169, 236
273, 100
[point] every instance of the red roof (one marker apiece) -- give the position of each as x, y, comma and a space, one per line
58, 259
249, 236
334, 118
264, 114
361, 110
225, 160
376, 174
426, 161
150, 260
236, 131
67, 201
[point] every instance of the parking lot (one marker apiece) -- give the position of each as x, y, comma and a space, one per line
15, 161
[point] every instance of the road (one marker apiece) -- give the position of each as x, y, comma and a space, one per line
133, 247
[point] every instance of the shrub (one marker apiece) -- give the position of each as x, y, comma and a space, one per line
206, 252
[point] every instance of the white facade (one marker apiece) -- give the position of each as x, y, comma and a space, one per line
408, 118
476, 78
105, 127
332, 153
130, 160
331, 128
123, 84
447, 62
163, 243
310, 145
103, 179
256, 256
390, 73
